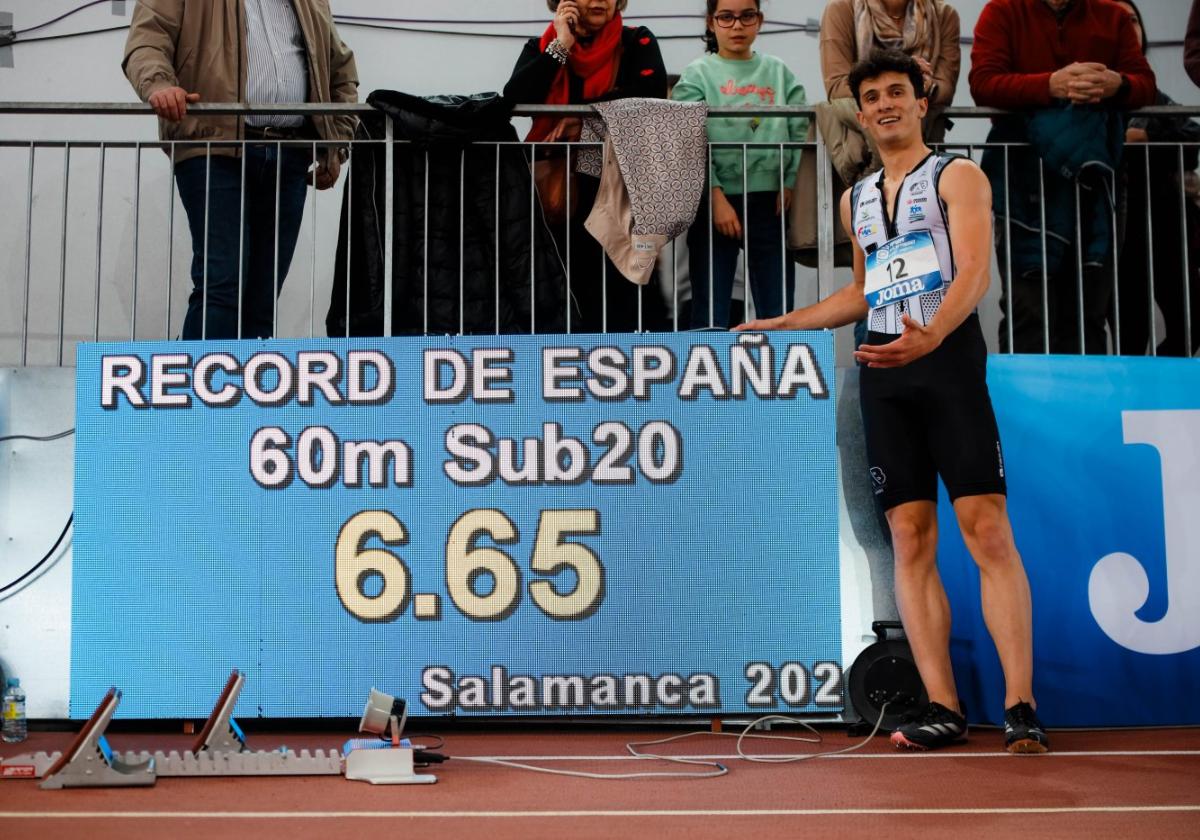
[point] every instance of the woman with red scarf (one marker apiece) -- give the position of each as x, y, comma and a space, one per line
587, 55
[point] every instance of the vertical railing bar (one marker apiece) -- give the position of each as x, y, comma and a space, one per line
603, 291
137, 221
170, 240
1150, 259
496, 239
1116, 269
28, 259
425, 253
746, 297
389, 210
675, 283
241, 240
712, 313
349, 229
1008, 273
570, 297
312, 284
278, 190
204, 247
1079, 273
825, 216
99, 241
640, 326
783, 289
1186, 274
1045, 265
62, 280
533, 244
462, 251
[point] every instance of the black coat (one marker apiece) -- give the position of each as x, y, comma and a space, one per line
506, 273
641, 72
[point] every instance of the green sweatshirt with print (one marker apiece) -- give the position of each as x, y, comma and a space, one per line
758, 81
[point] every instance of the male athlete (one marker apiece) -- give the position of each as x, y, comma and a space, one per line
923, 236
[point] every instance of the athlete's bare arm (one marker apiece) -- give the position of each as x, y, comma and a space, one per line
968, 197
845, 306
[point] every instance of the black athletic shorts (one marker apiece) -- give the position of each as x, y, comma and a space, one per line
932, 417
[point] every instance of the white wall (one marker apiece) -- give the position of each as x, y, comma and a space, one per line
35, 479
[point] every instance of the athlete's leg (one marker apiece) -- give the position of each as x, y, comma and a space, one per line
921, 598
1007, 605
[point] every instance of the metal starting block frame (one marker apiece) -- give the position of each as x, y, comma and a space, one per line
282, 762
219, 750
221, 732
28, 765
89, 762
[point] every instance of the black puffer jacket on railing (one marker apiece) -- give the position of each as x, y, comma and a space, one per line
442, 131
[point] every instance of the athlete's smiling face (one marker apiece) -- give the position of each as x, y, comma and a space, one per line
889, 109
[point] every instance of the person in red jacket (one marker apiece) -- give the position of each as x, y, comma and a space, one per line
1038, 55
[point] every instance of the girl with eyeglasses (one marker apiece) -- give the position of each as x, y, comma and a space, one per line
749, 201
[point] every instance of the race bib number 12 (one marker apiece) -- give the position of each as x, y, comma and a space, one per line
902, 268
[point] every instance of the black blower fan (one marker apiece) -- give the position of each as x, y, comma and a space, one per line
885, 673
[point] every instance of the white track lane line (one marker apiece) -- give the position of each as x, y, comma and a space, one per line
732, 812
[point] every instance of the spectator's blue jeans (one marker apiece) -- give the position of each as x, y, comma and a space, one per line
213, 312
771, 267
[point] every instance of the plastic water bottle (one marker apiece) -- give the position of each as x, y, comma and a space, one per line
15, 727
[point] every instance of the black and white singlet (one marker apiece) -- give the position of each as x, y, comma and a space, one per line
910, 262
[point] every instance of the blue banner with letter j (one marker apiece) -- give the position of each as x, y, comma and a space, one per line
1103, 466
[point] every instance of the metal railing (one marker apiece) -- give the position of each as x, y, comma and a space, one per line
56, 290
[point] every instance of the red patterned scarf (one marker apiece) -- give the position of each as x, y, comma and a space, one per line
595, 63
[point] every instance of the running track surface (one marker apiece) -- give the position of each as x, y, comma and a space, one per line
1123, 784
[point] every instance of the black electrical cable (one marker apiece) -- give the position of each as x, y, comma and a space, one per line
379, 22
48, 438
69, 35
525, 36
44, 559
63, 16
70, 519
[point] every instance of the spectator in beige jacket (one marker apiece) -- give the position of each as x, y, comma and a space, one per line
928, 30
180, 52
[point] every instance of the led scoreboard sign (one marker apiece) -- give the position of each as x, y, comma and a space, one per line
493, 526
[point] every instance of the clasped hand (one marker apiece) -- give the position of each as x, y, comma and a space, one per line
1085, 82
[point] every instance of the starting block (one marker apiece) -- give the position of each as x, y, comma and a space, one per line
219, 750
89, 762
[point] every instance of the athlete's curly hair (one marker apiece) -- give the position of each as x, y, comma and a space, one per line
887, 61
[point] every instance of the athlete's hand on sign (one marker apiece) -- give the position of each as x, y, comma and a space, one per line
916, 341
171, 103
725, 218
761, 325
